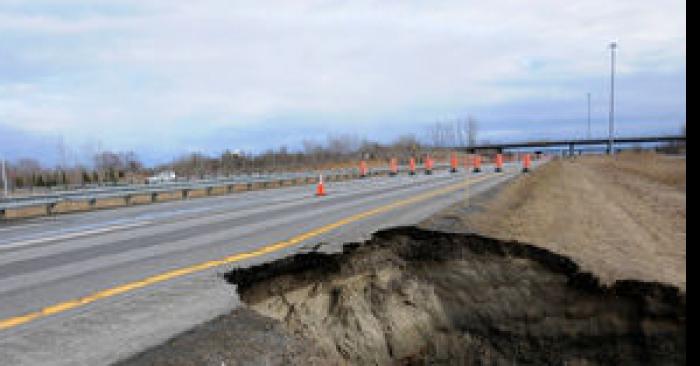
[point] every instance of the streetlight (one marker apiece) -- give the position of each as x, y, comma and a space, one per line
611, 132
4, 177
588, 134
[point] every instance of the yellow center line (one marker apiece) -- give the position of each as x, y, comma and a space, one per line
165, 276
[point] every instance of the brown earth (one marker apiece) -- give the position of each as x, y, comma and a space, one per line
596, 277
412, 296
620, 218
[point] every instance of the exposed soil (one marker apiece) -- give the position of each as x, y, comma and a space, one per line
413, 296
620, 218
589, 290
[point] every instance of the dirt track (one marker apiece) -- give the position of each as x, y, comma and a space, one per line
621, 218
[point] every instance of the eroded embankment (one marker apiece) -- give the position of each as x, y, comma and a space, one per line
414, 296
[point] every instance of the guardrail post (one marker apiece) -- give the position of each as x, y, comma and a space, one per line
49, 208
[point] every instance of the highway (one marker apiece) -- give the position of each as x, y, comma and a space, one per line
94, 287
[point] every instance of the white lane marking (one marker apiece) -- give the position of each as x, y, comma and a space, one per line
15, 227
148, 216
71, 235
157, 216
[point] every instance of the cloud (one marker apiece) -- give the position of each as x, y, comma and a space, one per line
131, 72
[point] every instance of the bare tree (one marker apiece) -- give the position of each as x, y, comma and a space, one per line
108, 160
62, 154
28, 166
473, 130
342, 144
460, 127
130, 161
114, 166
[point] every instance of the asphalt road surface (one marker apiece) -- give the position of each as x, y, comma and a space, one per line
95, 287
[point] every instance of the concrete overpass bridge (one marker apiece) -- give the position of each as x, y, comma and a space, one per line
571, 144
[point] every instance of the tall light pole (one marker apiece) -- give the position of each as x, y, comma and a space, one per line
4, 177
611, 132
588, 132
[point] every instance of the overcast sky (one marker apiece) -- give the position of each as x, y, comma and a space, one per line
167, 77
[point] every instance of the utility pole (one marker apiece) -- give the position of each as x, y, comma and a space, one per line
4, 177
611, 132
588, 133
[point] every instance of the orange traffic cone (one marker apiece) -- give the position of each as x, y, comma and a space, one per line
363, 169
499, 163
393, 167
477, 163
526, 163
453, 162
320, 189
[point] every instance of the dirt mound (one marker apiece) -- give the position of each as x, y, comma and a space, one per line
412, 296
620, 218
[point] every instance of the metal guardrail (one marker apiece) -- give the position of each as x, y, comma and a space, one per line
125, 191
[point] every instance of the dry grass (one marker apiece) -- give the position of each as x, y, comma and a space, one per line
621, 218
659, 168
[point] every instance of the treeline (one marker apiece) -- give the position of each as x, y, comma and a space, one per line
335, 151
125, 167
107, 168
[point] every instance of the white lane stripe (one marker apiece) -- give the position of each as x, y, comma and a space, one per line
226, 214
37, 251
71, 235
136, 255
161, 217
403, 183
15, 227
181, 211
